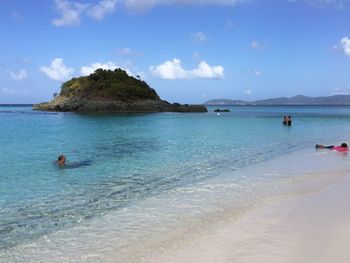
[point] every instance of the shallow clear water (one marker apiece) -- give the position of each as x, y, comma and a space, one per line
135, 158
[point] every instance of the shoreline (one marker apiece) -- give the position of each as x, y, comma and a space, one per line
306, 226
180, 225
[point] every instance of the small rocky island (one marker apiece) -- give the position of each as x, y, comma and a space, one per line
111, 91
221, 110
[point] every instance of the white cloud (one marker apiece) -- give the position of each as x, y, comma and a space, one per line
142, 5
109, 65
7, 91
199, 37
345, 45
208, 72
248, 92
169, 70
341, 90
338, 4
254, 73
257, 72
57, 70
337, 90
20, 75
255, 44
103, 8
70, 13
174, 70
87, 70
128, 52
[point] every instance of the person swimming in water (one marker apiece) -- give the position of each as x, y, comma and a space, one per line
341, 148
61, 162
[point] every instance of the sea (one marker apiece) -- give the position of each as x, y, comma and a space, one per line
138, 181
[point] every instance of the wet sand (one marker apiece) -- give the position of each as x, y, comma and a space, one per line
309, 224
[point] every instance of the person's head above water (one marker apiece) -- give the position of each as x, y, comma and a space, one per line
61, 160
344, 145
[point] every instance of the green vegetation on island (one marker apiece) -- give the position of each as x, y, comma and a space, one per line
105, 84
111, 91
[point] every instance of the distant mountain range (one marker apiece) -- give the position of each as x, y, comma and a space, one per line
296, 100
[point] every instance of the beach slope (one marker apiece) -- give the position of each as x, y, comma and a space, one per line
310, 225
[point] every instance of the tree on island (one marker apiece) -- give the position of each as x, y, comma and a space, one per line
107, 84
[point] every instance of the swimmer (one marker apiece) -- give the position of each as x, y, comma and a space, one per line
341, 148
61, 161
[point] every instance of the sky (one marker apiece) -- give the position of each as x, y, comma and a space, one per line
189, 51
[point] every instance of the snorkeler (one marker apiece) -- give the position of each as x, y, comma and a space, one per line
341, 148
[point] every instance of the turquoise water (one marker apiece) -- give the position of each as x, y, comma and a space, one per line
134, 158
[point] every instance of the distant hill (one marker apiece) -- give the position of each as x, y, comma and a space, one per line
296, 100
225, 102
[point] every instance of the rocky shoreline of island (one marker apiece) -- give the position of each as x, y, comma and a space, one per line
138, 106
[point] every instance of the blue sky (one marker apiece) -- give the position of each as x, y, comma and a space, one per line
188, 50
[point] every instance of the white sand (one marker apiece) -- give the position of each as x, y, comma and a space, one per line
310, 225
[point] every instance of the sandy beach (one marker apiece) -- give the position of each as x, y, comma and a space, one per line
311, 224
303, 217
